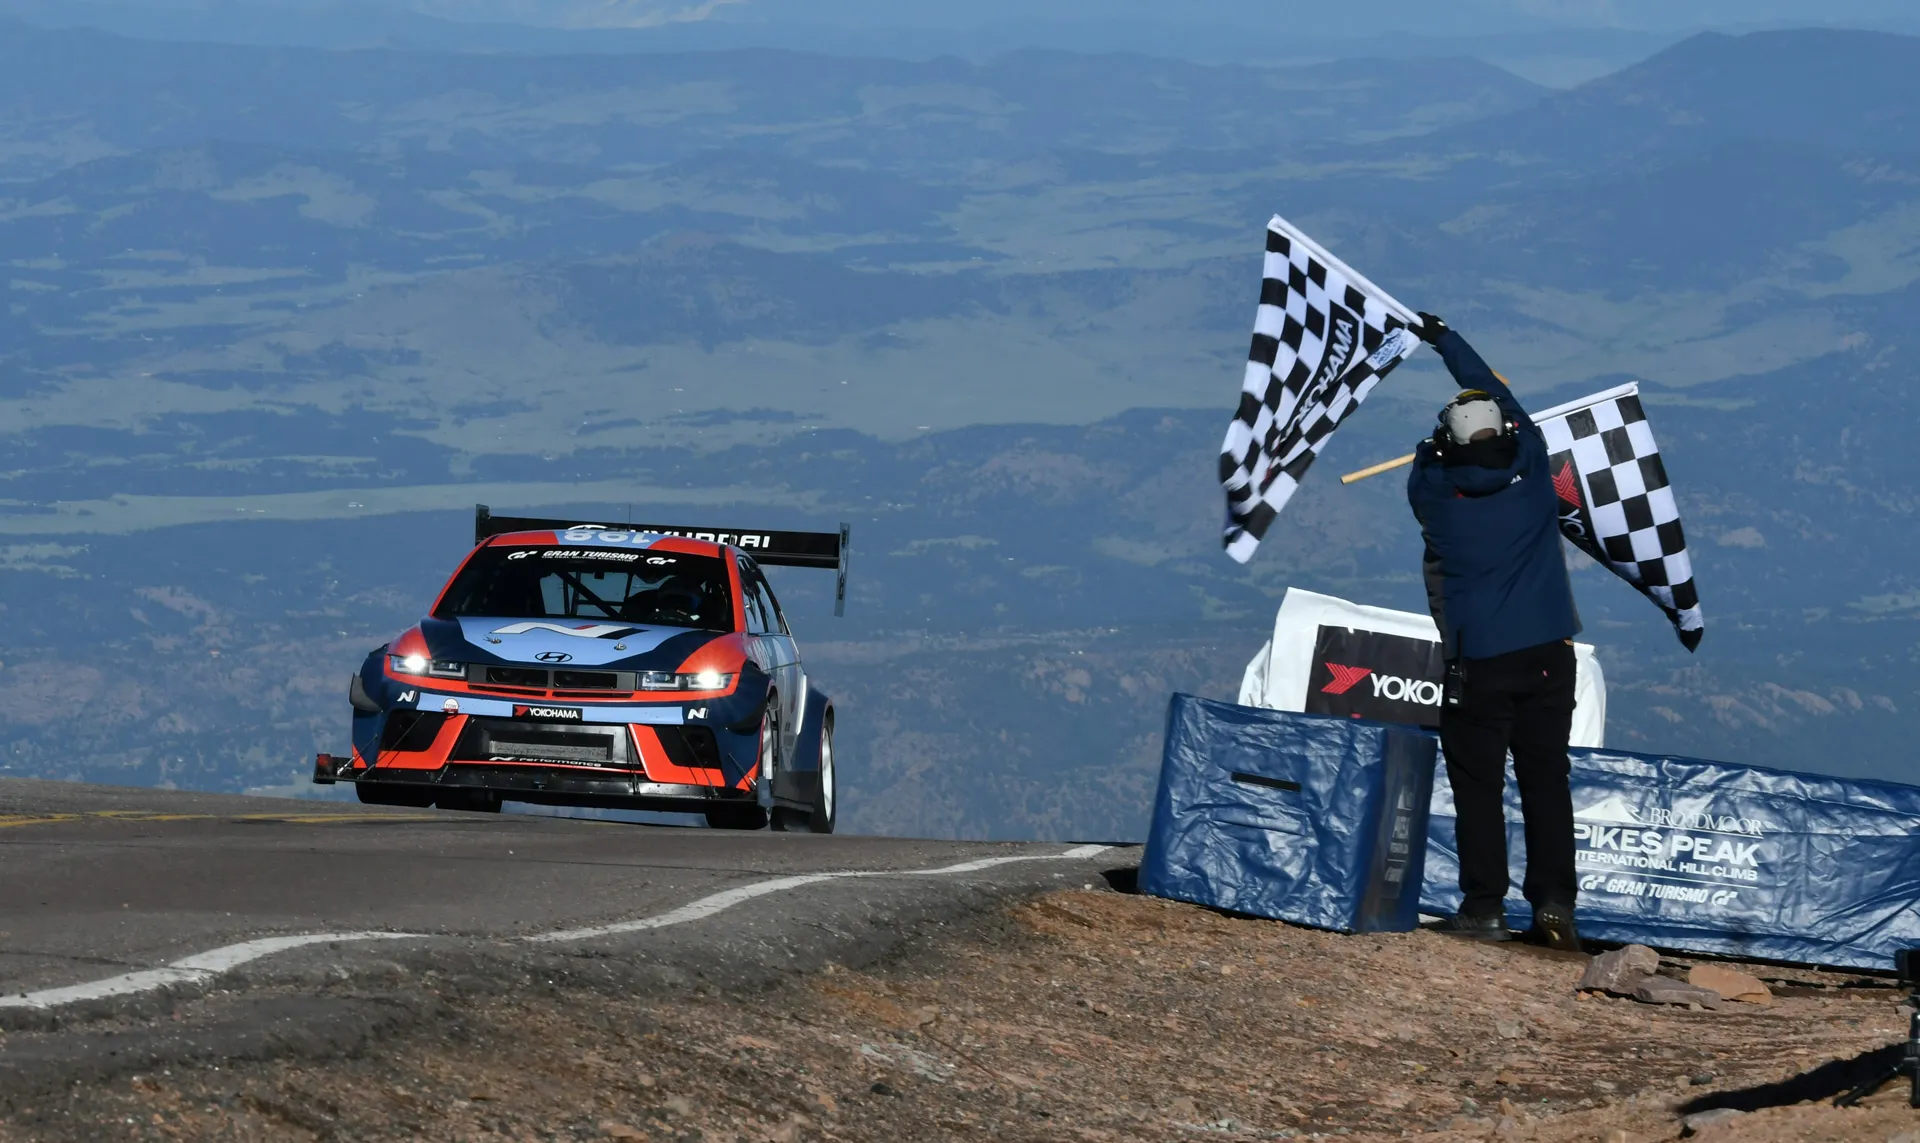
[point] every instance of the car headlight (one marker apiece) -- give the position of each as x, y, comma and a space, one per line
684, 681
421, 665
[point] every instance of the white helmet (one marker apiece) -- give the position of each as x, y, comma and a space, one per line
1473, 415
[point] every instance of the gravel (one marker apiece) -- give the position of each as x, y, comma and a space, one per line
1083, 1015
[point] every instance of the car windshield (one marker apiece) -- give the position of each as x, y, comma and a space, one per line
666, 589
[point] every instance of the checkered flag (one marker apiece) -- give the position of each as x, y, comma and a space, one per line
1616, 504
1323, 337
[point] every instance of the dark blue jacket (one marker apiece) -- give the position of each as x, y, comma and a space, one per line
1496, 576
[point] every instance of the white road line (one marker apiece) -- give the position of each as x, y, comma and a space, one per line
203, 967
704, 907
195, 969
708, 906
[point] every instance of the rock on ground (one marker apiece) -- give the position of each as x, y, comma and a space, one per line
1619, 971
1662, 990
1706, 1120
1731, 984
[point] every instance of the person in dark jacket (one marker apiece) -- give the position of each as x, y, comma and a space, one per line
1498, 589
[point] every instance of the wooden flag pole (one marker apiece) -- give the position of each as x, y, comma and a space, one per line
1375, 470
1399, 461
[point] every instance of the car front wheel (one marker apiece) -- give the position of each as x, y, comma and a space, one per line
819, 816
749, 815
394, 794
472, 801
737, 817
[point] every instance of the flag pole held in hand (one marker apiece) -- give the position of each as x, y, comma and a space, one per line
1377, 469
1401, 461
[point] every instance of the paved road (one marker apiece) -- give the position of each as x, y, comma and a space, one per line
102, 881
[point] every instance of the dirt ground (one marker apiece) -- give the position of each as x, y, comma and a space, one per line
1083, 1015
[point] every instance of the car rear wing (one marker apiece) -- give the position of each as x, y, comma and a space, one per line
775, 549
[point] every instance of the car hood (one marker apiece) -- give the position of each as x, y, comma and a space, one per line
552, 642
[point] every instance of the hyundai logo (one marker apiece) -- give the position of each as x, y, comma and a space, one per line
554, 657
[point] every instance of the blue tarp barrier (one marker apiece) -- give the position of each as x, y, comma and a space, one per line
1709, 857
1299, 817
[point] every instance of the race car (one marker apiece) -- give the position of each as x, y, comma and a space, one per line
630, 666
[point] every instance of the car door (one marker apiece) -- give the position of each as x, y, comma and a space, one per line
794, 684
773, 649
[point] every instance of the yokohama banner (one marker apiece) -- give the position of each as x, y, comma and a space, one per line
1371, 674
1329, 656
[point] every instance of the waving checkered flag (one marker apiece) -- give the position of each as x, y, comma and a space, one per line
1323, 337
1616, 504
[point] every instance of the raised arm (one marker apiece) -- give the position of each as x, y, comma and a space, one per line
1469, 370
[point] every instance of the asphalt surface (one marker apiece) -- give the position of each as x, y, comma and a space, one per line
105, 880
121, 911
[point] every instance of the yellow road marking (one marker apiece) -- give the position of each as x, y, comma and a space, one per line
11, 820
326, 819
115, 815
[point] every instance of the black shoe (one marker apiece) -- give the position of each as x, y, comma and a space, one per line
1491, 927
1553, 927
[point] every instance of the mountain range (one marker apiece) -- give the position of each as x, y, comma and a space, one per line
278, 316
1556, 44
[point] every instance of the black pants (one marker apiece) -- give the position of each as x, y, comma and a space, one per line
1521, 701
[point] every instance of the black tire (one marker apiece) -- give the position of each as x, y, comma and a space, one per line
470, 801
819, 816
394, 794
749, 815
825, 810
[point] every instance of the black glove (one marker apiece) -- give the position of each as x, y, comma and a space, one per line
1430, 329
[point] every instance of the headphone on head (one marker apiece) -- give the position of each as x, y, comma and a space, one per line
1443, 439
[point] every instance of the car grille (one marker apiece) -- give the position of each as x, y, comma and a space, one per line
506, 740
550, 747
517, 677
563, 684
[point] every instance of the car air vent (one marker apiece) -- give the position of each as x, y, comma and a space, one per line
501, 740
689, 747
411, 730
587, 680
517, 676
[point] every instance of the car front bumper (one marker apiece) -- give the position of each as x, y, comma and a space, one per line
539, 785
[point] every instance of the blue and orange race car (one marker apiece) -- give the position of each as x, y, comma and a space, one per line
627, 666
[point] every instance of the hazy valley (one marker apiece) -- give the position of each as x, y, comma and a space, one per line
277, 317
